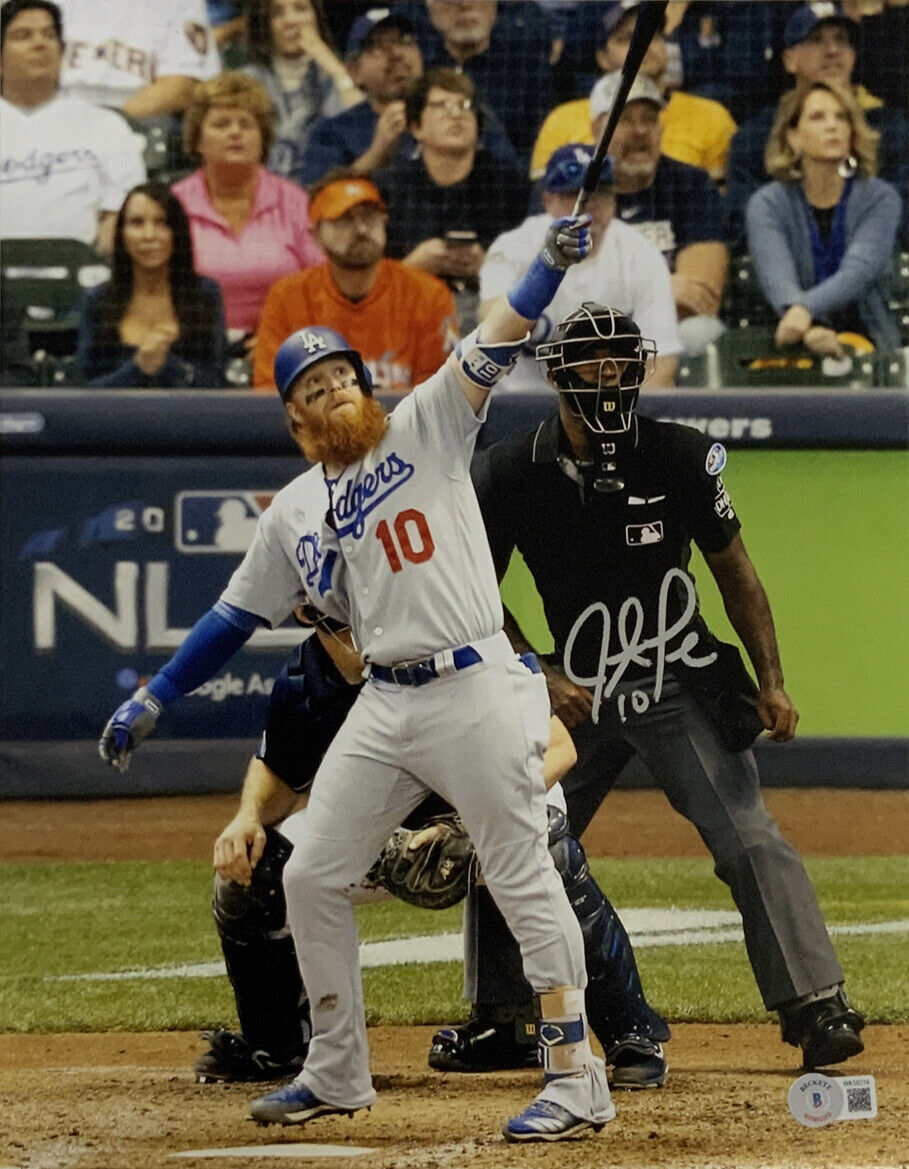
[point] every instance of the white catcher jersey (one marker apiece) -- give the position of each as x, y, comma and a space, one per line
408, 565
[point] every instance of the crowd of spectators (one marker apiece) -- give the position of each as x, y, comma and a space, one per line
388, 171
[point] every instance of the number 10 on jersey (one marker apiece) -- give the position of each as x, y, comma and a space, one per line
408, 537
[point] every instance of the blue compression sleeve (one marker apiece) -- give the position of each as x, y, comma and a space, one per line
211, 642
536, 288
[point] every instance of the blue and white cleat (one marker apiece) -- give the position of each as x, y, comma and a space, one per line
293, 1104
543, 1120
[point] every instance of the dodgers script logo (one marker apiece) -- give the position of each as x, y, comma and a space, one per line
357, 500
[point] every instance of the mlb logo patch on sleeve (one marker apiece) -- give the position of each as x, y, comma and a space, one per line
638, 534
716, 459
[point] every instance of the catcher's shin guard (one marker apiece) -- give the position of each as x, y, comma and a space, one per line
617, 1010
271, 1003
615, 1001
260, 958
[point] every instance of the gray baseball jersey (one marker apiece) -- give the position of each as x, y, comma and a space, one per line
408, 562
293, 556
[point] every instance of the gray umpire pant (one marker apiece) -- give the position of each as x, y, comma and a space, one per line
719, 792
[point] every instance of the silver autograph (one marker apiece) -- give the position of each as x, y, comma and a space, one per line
630, 625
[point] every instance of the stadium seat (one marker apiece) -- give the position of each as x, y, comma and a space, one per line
163, 154
743, 301
238, 373
700, 370
749, 358
893, 369
899, 294
42, 282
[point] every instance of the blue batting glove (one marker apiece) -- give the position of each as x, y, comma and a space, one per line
131, 723
567, 241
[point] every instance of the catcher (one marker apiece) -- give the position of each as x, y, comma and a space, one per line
428, 862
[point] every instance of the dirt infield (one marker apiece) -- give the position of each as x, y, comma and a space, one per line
819, 822
120, 1101
128, 1101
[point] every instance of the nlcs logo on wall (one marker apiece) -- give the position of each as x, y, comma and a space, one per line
218, 521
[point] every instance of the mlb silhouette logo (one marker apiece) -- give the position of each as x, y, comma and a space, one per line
217, 521
637, 535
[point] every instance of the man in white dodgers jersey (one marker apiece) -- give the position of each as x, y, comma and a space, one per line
385, 533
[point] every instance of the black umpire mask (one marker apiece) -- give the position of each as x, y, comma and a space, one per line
597, 359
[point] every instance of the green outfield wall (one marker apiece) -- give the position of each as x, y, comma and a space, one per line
829, 534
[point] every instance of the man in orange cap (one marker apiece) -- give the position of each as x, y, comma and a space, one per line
401, 320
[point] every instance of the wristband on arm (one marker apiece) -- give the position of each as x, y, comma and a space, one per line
486, 362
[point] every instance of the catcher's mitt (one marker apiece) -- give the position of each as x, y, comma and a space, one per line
437, 872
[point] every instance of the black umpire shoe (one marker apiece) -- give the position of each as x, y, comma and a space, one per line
231, 1059
827, 1030
637, 1062
481, 1046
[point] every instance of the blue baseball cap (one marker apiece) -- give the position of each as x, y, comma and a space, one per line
807, 17
567, 166
366, 27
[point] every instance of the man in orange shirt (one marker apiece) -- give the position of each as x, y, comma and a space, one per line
400, 319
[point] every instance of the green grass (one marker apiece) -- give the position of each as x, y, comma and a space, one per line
77, 918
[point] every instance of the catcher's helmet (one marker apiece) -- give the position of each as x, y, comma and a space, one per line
309, 346
595, 333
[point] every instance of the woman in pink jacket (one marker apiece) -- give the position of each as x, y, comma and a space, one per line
249, 227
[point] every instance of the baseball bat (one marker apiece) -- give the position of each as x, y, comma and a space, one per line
650, 17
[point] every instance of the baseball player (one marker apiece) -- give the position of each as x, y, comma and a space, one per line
310, 700
385, 534
637, 670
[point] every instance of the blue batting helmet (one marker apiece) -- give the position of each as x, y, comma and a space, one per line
309, 346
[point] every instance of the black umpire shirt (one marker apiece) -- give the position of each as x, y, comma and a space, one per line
611, 568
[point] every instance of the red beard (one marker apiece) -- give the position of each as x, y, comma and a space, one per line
342, 440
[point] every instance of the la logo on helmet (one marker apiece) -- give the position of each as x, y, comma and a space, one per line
311, 342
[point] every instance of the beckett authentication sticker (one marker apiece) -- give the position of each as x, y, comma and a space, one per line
816, 1099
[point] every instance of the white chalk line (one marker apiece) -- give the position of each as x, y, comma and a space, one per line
647, 928
300, 1150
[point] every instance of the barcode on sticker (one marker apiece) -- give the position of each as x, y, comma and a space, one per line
858, 1100
861, 1097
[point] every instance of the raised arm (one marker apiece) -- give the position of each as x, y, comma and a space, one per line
490, 351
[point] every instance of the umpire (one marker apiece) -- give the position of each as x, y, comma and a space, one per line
603, 505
